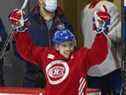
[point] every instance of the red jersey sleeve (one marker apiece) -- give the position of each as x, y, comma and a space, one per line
26, 49
99, 50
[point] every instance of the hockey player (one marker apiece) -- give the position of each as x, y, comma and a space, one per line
44, 18
65, 66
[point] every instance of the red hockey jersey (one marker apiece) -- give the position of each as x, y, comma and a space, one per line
63, 76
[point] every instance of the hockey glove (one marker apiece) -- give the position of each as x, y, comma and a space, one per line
17, 20
101, 21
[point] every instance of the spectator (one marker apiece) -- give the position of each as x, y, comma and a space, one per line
106, 76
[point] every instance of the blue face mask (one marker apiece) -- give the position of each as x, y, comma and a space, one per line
51, 5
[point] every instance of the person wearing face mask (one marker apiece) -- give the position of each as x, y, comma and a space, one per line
43, 20
106, 77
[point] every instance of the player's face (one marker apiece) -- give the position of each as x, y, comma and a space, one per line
66, 48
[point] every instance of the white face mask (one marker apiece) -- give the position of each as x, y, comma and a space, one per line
51, 5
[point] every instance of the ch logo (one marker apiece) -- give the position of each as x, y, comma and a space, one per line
57, 71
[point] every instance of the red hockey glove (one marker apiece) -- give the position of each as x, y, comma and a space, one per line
101, 21
17, 20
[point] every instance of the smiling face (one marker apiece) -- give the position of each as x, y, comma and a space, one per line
66, 48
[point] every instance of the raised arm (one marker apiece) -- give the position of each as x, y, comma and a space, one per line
24, 45
27, 49
99, 50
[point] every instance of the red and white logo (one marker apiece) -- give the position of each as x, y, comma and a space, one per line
57, 71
